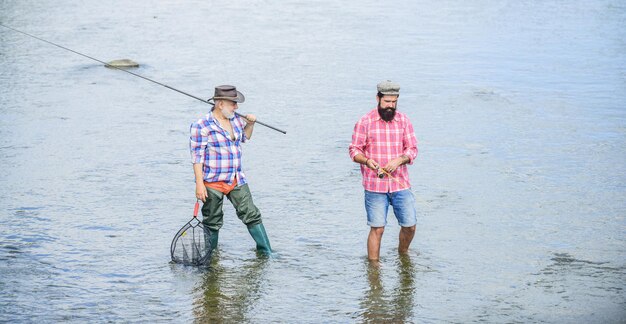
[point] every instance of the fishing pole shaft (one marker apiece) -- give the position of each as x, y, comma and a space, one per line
129, 72
266, 125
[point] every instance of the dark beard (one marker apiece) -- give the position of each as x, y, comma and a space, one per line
386, 114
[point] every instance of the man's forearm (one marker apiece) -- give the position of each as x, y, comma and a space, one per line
360, 158
198, 173
248, 130
405, 159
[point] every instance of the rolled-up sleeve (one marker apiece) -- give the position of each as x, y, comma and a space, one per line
198, 140
357, 146
242, 126
409, 142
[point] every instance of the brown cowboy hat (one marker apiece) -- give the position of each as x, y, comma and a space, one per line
228, 92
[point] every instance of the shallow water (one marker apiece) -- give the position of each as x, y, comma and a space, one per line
519, 112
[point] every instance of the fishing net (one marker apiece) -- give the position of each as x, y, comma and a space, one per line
192, 244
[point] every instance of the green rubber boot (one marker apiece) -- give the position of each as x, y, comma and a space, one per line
260, 237
213, 239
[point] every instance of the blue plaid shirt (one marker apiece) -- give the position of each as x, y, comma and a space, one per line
220, 155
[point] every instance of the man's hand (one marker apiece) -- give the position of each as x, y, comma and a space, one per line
201, 192
250, 119
394, 164
370, 163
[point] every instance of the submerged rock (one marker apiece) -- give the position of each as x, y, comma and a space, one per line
122, 64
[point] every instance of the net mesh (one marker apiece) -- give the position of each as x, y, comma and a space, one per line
192, 244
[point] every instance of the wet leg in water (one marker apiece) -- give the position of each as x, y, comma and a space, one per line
406, 236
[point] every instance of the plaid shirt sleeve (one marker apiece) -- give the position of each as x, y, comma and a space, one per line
357, 146
198, 140
241, 124
409, 142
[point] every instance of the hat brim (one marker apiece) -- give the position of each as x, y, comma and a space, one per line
239, 99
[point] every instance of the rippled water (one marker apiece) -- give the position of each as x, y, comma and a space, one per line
519, 109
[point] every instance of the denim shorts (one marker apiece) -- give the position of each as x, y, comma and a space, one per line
377, 205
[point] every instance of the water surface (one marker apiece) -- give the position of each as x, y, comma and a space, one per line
518, 108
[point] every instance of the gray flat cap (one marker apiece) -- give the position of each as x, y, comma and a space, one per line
389, 88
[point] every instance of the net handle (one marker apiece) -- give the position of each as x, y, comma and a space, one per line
195, 209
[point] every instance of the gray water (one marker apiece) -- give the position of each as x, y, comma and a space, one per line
519, 108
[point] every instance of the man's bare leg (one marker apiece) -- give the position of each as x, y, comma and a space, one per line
406, 236
373, 242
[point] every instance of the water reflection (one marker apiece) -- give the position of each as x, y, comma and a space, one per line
228, 294
395, 305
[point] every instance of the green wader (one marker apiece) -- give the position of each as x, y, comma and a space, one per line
248, 213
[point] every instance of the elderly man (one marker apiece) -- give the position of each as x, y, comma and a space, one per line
384, 138
215, 145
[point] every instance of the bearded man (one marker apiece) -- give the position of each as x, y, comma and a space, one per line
215, 144
384, 138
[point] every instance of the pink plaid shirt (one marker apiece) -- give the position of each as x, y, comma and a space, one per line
383, 141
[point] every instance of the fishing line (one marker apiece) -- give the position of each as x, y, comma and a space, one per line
132, 73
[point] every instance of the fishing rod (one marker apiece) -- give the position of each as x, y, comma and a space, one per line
382, 172
135, 74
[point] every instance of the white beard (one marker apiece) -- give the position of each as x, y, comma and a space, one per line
227, 114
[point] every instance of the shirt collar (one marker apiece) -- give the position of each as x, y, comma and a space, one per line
213, 119
216, 125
